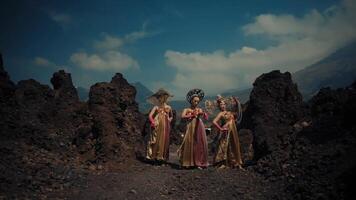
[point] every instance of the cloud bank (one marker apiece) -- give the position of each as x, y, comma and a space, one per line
300, 41
108, 54
108, 61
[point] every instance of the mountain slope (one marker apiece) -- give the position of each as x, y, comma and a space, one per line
142, 92
336, 70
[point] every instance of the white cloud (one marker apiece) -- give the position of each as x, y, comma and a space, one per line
62, 19
110, 42
108, 61
42, 62
300, 41
108, 56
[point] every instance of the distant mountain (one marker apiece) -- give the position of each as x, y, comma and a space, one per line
142, 92
336, 70
83, 93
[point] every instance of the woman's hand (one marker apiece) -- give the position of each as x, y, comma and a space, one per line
224, 130
153, 124
196, 113
190, 115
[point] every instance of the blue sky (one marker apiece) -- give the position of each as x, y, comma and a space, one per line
176, 45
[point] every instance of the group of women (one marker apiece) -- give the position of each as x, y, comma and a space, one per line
193, 151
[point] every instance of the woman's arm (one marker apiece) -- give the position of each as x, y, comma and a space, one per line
150, 116
216, 120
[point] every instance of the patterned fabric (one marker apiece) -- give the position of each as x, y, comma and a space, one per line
194, 149
158, 144
153, 99
229, 150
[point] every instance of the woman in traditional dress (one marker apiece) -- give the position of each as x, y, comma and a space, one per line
228, 153
160, 119
193, 152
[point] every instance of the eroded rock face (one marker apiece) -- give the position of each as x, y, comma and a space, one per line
63, 87
36, 138
46, 130
326, 150
275, 104
304, 147
117, 124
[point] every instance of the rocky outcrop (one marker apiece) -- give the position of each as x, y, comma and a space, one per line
46, 134
275, 104
304, 147
36, 137
325, 152
63, 87
117, 124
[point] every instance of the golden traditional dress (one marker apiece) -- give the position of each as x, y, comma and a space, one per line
194, 148
228, 151
158, 144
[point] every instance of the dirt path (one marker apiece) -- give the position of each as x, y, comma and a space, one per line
146, 181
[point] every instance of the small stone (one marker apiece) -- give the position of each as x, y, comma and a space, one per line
133, 191
92, 167
305, 124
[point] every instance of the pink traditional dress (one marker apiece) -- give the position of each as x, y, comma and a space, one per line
194, 148
229, 150
158, 144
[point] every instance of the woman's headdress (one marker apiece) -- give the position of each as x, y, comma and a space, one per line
195, 93
154, 98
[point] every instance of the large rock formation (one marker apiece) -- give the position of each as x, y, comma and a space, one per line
324, 154
37, 129
117, 123
304, 148
275, 104
63, 87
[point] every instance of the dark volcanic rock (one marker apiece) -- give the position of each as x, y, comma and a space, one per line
7, 87
304, 148
36, 134
332, 112
117, 121
325, 152
64, 90
246, 142
47, 133
275, 103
